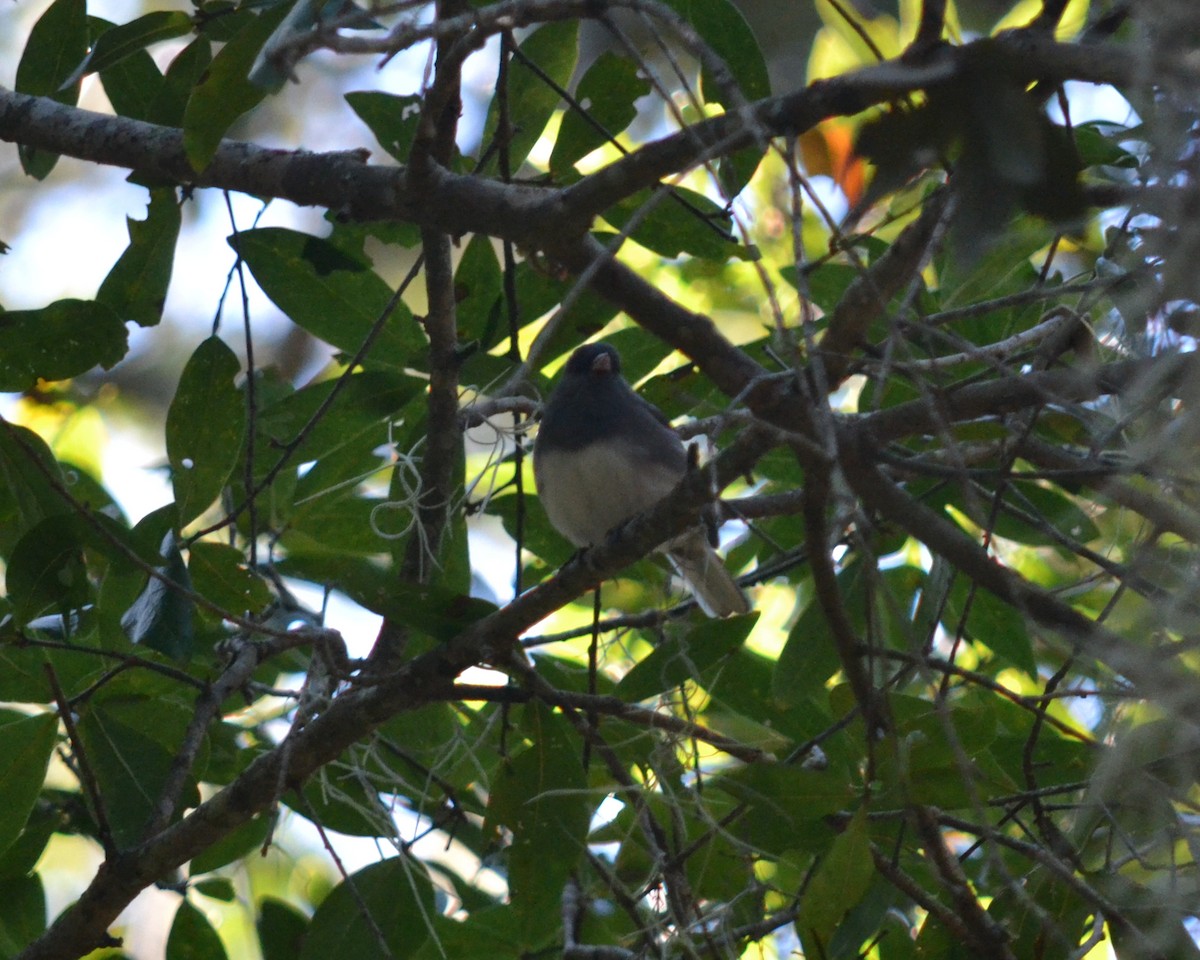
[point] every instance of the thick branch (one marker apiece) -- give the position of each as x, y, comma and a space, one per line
536, 218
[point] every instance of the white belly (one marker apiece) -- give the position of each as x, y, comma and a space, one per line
588, 492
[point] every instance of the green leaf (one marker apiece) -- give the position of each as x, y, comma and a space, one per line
205, 427
219, 888
330, 294
56, 45
63, 340
136, 286
1099, 144
683, 222
133, 87
23, 853
131, 736
786, 804
26, 744
25, 495
839, 883
688, 657
122, 41
224, 93
722, 26
994, 623
477, 289
182, 75
343, 803
46, 573
488, 934
393, 119
161, 617
192, 936
607, 93
540, 797
281, 929
357, 415
810, 658
397, 896
22, 913
219, 572
233, 846
553, 49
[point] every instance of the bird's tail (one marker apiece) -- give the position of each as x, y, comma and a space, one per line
702, 568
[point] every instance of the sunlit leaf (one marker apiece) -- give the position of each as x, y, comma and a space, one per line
550, 51
606, 94
841, 879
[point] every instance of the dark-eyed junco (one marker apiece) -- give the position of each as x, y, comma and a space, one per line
604, 454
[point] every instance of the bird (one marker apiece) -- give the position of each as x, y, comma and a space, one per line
604, 454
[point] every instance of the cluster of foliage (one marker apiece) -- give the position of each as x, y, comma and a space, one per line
957, 432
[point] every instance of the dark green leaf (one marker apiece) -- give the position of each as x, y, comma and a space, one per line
46, 573
1099, 144
488, 934
219, 888
809, 658
606, 93
136, 286
219, 572
393, 119
342, 803
182, 75
553, 49
398, 897
786, 804
26, 744
26, 496
682, 222
358, 414
57, 44
57, 342
724, 29
224, 93
433, 609
995, 623
23, 853
205, 427
162, 618
129, 765
329, 294
477, 287
540, 797
689, 657
119, 42
22, 913
192, 936
234, 845
132, 86
281, 928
